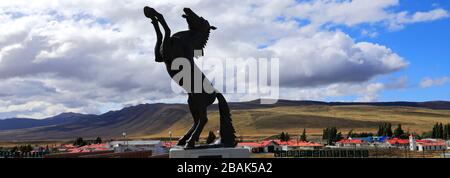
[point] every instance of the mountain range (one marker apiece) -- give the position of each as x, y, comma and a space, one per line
156, 119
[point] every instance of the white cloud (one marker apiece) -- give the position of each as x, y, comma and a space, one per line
83, 55
38, 109
364, 92
404, 17
343, 12
331, 57
429, 16
430, 82
355, 12
370, 34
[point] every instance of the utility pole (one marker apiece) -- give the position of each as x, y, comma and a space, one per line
124, 135
170, 138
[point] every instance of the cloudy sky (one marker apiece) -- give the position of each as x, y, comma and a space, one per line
93, 56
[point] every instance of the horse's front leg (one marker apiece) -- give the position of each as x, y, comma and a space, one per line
151, 13
167, 32
158, 56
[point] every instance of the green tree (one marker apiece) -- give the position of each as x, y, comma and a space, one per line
98, 140
438, 131
282, 136
350, 134
14, 149
303, 136
434, 131
287, 137
211, 137
338, 137
385, 129
446, 131
380, 130
389, 130
331, 135
325, 133
25, 148
79, 142
398, 132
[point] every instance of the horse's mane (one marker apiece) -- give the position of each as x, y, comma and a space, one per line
201, 40
201, 29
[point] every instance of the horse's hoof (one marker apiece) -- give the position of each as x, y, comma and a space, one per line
150, 12
189, 145
181, 143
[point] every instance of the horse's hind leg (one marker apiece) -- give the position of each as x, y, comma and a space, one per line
182, 141
203, 119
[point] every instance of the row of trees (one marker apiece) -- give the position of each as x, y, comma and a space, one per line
286, 137
81, 142
22, 148
352, 134
385, 129
441, 131
331, 135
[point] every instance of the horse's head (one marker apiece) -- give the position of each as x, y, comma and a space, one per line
199, 28
196, 23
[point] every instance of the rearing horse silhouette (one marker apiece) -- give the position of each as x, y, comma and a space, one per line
182, 45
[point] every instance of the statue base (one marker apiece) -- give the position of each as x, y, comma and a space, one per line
179, 152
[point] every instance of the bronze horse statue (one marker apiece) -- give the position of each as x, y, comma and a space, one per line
182, 45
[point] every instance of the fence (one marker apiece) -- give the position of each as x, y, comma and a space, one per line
405, 152
386, 152
329, 153
9, 154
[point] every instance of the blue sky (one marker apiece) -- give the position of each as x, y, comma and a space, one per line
426, 46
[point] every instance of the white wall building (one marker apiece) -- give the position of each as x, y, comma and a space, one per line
271, 146
156, 146
426, 144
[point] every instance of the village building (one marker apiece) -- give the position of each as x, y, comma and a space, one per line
70, 148
252, 147
169, 144
396, 142
292, 145
298, 145
379, 139
270, 146
351, 143
426, 144
156, 146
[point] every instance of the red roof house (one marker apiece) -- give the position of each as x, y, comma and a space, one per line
89, 148
397, 141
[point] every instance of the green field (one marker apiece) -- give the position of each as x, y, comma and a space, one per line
292, 119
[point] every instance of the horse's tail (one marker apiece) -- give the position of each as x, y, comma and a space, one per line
227, 137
